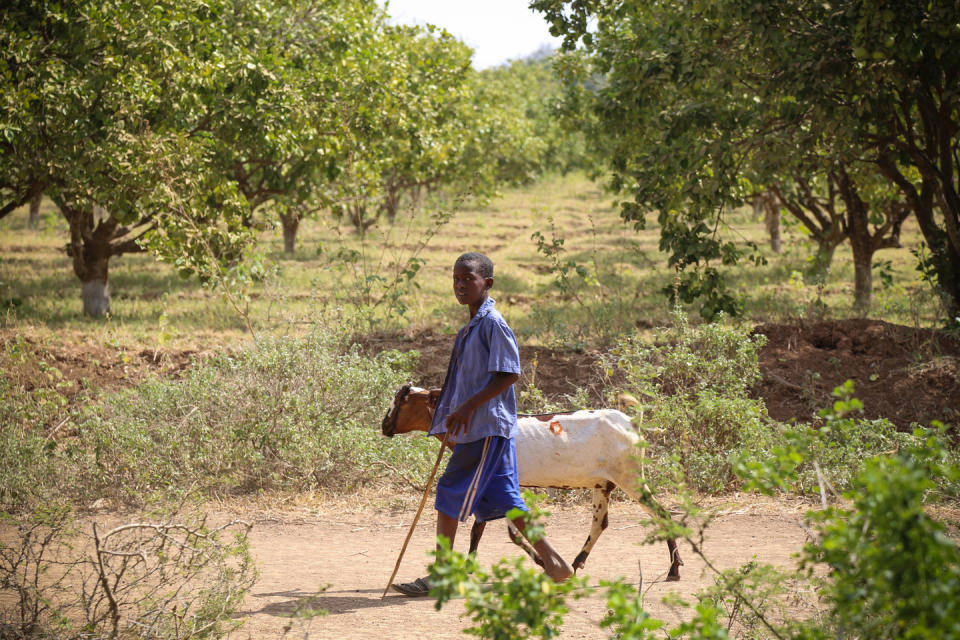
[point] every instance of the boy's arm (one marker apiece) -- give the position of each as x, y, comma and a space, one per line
459, 419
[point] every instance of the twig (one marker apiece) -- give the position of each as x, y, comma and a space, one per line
820, 482
114, 608
423, 501
736, 591
786, 383
55, 429
410, 482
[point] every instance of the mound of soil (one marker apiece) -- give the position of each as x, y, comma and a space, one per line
555, 372
83, 365
904, 374
900, 373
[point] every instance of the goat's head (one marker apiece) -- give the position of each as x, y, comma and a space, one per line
411, 410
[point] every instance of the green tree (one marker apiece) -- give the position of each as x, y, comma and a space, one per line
401, 120
533, 88
695, 88
96, 96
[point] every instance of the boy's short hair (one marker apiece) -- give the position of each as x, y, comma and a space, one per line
477, 262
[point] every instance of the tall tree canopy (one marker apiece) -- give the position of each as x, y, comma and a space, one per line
168, 125
703, 94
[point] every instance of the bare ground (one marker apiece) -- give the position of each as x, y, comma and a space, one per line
905, 374
339, 558
340, 562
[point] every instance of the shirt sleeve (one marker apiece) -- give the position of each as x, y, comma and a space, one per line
504, 353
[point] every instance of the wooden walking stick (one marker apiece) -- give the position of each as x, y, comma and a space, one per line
416, 518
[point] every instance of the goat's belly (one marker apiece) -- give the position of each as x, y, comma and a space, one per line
561, 467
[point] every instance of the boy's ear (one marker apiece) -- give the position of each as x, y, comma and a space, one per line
489, 282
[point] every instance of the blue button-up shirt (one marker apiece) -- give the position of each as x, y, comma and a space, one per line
483, 347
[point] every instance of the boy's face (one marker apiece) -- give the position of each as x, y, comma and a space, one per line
470, 287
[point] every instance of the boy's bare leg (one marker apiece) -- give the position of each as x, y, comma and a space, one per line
553, 564
447, 526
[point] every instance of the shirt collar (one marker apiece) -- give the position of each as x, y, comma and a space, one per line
484, 309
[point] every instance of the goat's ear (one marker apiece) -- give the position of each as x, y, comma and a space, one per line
434, 396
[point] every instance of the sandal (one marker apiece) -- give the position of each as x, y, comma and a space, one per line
416, 589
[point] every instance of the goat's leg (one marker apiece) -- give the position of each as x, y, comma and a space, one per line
517, 538
601, 505
644, 496
475, 534
675, 561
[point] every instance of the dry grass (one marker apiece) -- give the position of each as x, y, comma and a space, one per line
153, 307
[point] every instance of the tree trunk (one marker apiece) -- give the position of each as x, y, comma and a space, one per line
90, 250
773, 223
945, 258
96, 298
766, 206
290, 219
862, 276
391, 202
34, 220
95, 279
358, 218
822, 260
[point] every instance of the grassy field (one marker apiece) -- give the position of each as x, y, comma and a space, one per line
334, 270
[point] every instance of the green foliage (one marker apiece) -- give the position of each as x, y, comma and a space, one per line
697, 414
26, 418
290, 413
626, 616
824, 457
533, 89
378, 280
700, 108
597, 288
175, 126
894, 569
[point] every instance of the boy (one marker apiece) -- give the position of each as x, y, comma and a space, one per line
477, 405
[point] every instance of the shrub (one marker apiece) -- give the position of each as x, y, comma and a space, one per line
27, 412
163, 579
825, 458
290, 413
894, 570
696, 413
510, 602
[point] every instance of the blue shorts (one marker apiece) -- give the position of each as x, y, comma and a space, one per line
481, 480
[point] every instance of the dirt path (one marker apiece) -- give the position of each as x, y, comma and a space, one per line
352, 556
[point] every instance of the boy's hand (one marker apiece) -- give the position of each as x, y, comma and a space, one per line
459, 419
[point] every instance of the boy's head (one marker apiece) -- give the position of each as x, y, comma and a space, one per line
476, 262
472, 278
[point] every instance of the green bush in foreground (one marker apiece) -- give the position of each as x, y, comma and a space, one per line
289, 413
894, 572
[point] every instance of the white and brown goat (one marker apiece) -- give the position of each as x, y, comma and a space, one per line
581, 450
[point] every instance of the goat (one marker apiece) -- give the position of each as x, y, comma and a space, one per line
586, 449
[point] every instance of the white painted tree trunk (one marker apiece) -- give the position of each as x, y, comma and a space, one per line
96, 298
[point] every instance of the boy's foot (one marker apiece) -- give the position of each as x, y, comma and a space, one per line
416, 589
558, 570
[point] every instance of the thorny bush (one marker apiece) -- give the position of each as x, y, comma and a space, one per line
289, 413
160, 578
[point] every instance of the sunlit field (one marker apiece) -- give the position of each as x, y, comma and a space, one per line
547, 299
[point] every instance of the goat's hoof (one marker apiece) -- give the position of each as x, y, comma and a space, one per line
673, 578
